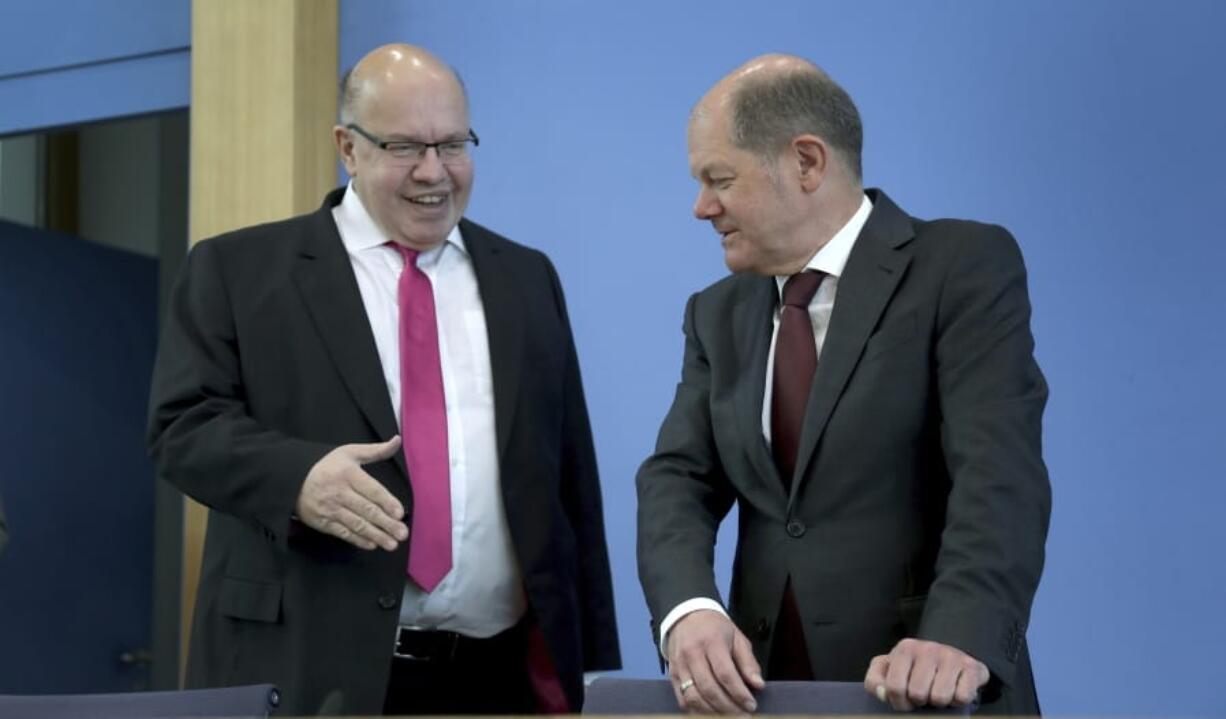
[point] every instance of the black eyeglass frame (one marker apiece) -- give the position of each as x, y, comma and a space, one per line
423, 147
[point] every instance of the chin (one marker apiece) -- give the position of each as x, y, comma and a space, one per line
425, 237
735, 263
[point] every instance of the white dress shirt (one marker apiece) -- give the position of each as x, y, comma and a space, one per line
830, 259
483, 594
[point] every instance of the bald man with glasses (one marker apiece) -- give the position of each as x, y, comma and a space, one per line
380, 402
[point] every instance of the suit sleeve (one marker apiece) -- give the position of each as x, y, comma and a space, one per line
992, 396
201, 436
582, 499
683, 493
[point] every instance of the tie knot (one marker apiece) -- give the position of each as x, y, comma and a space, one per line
409, 254
798, 291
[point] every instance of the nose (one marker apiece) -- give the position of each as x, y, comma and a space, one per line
429, 169
706, 205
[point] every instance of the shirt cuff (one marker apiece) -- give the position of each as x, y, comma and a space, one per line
679, 611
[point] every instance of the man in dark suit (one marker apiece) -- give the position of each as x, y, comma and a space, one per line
380, 402
863, 390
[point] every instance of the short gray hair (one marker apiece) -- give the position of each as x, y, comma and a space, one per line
348, 98
768, 113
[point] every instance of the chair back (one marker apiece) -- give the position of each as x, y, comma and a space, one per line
247, 702
655, 696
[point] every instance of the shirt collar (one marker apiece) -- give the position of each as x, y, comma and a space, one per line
359, 232
832, 257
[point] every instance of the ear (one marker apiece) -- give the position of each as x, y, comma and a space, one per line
812, 156
343, 139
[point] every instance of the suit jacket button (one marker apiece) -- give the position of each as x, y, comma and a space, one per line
796, 529
387, 601
762, 629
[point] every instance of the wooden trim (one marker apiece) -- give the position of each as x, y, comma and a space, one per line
264, 78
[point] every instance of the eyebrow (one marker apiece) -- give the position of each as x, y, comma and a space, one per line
416, 141
454, 137
709, 171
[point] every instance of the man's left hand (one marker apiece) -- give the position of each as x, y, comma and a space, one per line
921, 673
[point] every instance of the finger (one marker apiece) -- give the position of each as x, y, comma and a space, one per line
377, 516
696, 703
682, 685
374, 451
924, 670
874, 678
690, 700
746, 663
691, 662
360, 527
724, 668
968, 686
944, 685
896, 679
677, 693
708, 686
337, 529
677, 675
371, 490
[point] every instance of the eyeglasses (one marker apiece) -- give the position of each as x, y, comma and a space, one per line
449, 151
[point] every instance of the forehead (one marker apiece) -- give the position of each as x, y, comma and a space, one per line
430, 106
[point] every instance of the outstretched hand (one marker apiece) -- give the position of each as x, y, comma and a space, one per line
341, 499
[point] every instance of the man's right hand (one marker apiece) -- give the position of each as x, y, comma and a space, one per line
341, 499
711, 665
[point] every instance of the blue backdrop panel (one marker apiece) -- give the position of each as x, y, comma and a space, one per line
66, 62
78, 326
1092, 130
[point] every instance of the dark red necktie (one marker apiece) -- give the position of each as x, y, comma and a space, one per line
795, 364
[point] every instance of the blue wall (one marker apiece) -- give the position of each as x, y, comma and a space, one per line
1092, 129
65, 62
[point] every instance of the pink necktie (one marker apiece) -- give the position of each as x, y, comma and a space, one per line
423, 427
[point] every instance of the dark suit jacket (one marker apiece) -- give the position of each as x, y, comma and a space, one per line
920, 503
267, 362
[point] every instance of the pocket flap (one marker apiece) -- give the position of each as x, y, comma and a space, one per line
247, 599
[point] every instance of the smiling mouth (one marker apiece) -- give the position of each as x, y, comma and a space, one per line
432, 200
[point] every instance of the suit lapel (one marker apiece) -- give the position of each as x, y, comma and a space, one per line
874, 268
504, 325
324, 277
751, 333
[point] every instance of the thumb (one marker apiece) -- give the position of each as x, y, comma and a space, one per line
746, 663
375, 451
